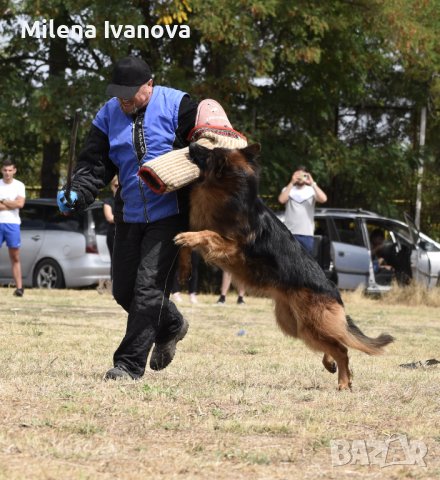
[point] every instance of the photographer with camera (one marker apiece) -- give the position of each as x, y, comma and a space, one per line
300, 196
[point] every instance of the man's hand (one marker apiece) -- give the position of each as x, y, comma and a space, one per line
309, 179
300, 176
67, 202
295, 177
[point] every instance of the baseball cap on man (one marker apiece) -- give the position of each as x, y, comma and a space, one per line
129, 74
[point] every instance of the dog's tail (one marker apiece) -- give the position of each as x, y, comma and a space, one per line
357, 339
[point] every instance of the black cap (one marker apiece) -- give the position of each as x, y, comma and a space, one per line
129, 74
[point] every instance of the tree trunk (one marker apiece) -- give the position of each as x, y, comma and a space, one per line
50, 173
58, 62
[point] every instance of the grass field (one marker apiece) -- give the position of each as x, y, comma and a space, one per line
240, 400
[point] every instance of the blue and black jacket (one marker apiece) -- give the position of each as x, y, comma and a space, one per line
119, 144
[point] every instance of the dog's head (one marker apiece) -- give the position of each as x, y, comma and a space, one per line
222, 163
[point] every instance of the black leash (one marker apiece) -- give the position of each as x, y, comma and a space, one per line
72, 148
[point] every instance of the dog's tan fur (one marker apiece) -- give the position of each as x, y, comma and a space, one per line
316, 318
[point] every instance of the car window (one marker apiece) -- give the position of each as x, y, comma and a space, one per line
427, 244
348, 231
56, 221
321, 227
32, 217
101, 224
376, 229
392, 231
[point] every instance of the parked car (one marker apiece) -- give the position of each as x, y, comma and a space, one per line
59, 251
343, 249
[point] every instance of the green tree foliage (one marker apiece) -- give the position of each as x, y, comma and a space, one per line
336, 85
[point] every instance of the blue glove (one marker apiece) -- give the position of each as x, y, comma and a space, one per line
66, 205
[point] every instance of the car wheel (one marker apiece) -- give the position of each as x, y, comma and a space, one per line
48, 274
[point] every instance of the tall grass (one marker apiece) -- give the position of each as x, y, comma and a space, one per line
414, 295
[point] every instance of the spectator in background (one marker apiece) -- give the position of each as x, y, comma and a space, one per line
193, 282
300, 196
226, 283
12, 197
377, 240
109, 206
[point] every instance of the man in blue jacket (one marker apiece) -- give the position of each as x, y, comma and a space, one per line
139, 123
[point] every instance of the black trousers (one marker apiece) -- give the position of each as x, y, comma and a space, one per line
110, 240
144, 263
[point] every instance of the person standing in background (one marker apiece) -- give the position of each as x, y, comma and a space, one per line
12, 197
193, 282
109, 206
300, 196
226, 284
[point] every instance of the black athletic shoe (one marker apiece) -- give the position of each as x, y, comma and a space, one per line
221, 300
240, 301
117, 373
19, 292
163, 353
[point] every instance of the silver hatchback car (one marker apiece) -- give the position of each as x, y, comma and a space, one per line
60, 251
343, 248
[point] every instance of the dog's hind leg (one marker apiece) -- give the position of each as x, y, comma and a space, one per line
321, 327
329, 363
340, 353
285, 318
332, 350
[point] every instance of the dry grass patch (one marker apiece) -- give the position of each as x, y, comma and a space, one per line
414, 294
239, 401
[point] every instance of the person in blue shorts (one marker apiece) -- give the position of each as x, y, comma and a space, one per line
12, 197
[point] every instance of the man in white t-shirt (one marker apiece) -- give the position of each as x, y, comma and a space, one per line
300, 196
12, 196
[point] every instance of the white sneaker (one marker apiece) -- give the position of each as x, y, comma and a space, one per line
177, 297
193, 298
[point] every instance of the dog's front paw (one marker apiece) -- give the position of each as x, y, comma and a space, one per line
187, 239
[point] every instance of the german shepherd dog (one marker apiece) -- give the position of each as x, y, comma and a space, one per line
233, 229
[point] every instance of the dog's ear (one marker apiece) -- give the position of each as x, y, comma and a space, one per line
199, 155
198, 151
251, 152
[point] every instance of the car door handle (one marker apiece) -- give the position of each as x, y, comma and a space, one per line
341, 254
36, 238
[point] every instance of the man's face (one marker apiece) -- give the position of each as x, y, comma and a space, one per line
8, 173
377, 240
131, 105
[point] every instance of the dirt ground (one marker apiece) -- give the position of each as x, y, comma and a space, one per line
240, 400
